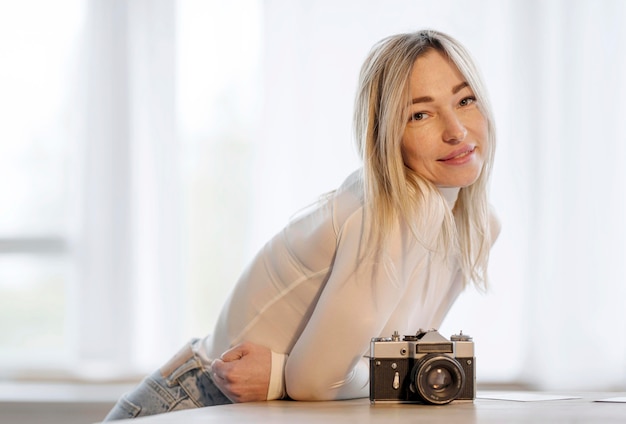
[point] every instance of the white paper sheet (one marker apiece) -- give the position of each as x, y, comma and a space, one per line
522, 396
621, 399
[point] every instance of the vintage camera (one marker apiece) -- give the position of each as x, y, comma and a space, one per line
422, 368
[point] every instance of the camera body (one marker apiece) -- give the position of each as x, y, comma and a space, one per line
423, 368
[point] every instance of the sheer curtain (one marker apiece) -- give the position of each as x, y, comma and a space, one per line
195, 129
36, 159
574, 304
128, 238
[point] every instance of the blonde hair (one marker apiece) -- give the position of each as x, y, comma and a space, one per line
393, 192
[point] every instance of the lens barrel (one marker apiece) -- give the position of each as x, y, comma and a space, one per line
438, 379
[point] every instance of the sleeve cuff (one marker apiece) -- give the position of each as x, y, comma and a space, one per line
276, 389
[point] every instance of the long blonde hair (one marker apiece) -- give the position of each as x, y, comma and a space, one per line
393, 192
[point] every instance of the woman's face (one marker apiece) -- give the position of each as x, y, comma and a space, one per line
445, 139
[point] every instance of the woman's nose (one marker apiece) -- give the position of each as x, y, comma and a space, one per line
454, 131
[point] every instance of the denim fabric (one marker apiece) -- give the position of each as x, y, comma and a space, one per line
188, 386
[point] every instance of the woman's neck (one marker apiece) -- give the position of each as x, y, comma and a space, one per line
450, 194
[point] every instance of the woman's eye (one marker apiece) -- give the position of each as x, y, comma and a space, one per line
467, 101
419, 116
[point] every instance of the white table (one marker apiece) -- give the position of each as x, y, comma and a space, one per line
582, 410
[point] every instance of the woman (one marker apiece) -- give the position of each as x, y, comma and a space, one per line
390, 249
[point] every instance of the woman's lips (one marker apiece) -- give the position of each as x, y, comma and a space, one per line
460, 155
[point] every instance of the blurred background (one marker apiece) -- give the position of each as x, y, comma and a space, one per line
148, 148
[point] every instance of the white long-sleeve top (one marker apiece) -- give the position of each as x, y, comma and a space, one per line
309, 298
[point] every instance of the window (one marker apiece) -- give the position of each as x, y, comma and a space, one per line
37, 169
123, 127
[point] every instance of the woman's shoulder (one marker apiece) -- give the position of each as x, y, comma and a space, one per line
334, 209
348, 200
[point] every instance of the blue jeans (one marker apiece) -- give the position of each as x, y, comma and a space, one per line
183, 383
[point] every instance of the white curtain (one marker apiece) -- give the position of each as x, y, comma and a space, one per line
575, 299
128, 236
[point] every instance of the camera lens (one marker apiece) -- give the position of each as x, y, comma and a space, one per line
438, 379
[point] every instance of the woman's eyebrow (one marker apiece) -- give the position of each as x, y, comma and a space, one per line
426, 99
459, 87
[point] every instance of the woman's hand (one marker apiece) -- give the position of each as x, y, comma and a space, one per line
243, 372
